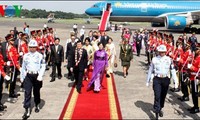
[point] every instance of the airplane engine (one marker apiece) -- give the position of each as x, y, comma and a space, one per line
157, 24
176, 22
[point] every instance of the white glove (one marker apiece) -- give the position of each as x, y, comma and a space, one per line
170, 53
21, 53
7, 77
8, 63
22, 80
20, 69
40, 47
147, 84
178, 58
71, 69
189, 66
39, 78
45, 44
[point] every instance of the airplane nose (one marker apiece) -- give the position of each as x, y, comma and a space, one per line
88, 11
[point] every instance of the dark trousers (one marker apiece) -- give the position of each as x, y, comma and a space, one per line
184, 84
12, 84
82, 38
149, 56
47, 58
54, 66
1, 87
78, 78
31, 82
69, 72
194, 94
160, 87
138, 48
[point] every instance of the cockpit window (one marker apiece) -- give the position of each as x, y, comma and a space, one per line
94, 6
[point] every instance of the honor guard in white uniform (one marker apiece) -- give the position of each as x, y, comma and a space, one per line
161, 66
33, 68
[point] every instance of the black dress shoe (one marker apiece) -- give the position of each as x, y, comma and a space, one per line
13, 96
59, 77
107, 75
124, 76
161, 113
26, 114
79, 91
191, 109
52, 80
126, 73
175, 89
96, 91
194, 111
37, 109
184, 99
2, 107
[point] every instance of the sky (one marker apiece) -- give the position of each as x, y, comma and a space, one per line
78, 7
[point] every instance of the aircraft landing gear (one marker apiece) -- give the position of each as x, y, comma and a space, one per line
192, 29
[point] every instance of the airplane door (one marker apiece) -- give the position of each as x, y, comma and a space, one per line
108, 6
144, 7
105, 6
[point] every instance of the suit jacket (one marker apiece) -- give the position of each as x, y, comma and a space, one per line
16, 44
69, 49
83, 62
57, 56
104, 40
3, 50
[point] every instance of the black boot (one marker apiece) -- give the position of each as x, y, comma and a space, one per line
37, 109
26, 114
2, 107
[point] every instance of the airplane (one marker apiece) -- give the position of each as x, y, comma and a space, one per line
175, 14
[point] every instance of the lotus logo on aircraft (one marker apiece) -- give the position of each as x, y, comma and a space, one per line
177, 23
118, 4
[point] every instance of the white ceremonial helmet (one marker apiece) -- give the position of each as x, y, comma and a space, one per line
32, 43
162, 48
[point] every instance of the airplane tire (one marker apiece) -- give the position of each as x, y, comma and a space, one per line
198, 30
193, 29
187, 30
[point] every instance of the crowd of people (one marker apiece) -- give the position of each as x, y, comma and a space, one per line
30, 55
177, 59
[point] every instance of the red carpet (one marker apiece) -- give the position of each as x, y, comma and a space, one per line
104, 20
90, 105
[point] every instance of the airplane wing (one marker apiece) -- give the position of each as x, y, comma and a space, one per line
196, 12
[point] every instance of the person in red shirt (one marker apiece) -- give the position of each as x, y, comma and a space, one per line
194, 67
183, 59
2, 77
12, 64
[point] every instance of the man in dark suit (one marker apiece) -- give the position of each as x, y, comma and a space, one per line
70, 46
17, 42
78, 64
57, 57
104, 38
139, 43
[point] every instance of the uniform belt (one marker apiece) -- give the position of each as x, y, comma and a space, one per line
160, 75
32, 72
194, 73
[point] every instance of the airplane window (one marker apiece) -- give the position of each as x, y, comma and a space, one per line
95, 6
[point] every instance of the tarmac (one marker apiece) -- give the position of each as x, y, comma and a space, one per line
135, 98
